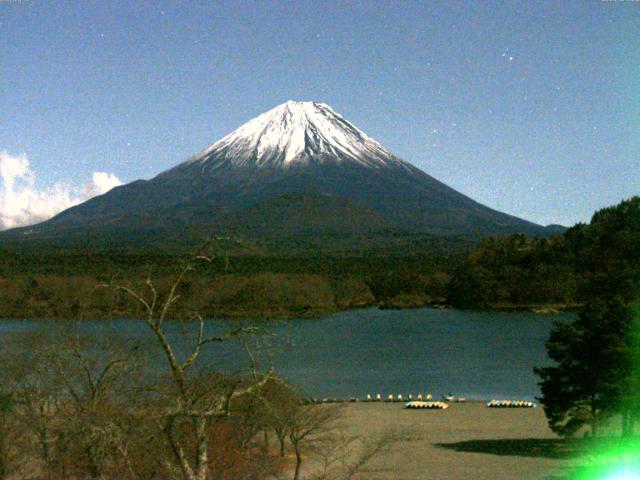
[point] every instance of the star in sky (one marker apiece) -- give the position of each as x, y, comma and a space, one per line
506, 55
423, 61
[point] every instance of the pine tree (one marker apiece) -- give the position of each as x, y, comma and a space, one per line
596, 371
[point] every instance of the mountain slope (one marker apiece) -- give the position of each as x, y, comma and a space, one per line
258, 174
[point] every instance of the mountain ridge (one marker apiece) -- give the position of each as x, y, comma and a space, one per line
294, 150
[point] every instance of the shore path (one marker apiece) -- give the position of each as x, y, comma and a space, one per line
465, 441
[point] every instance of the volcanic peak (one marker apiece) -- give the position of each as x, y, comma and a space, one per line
298, 133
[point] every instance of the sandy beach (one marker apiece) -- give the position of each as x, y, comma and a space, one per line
465, 441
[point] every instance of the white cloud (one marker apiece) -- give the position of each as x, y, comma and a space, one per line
22, 203
101, 182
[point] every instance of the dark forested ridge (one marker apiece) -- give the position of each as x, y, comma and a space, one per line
282, 279
59, 284
515, 270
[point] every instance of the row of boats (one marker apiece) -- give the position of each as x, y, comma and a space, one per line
491, 404
510, 404
410, 398
427, 405
427, 402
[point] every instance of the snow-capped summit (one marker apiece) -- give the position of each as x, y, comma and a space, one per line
297, 171
297, 133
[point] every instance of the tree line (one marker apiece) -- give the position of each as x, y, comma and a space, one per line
502, 272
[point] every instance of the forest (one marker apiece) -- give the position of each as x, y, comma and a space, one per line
504, 272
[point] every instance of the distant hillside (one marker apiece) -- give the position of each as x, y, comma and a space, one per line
513, 270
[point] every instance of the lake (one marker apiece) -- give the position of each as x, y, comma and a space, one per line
479, 355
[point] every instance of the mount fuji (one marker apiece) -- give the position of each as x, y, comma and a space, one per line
299, 170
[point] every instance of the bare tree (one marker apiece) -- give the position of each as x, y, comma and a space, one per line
315, 431
92, 410
310, 426
71, 400
187, 418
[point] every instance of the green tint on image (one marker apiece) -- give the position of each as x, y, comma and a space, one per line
618, 458
613, 459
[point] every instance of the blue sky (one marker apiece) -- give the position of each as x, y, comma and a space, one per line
531, 108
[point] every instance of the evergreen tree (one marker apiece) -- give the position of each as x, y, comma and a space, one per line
592, 367
596, 355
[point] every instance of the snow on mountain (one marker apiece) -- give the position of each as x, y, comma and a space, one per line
297, 133
299, 169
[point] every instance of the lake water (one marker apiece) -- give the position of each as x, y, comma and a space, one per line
479, 355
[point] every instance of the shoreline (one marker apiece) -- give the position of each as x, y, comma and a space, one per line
545, 309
